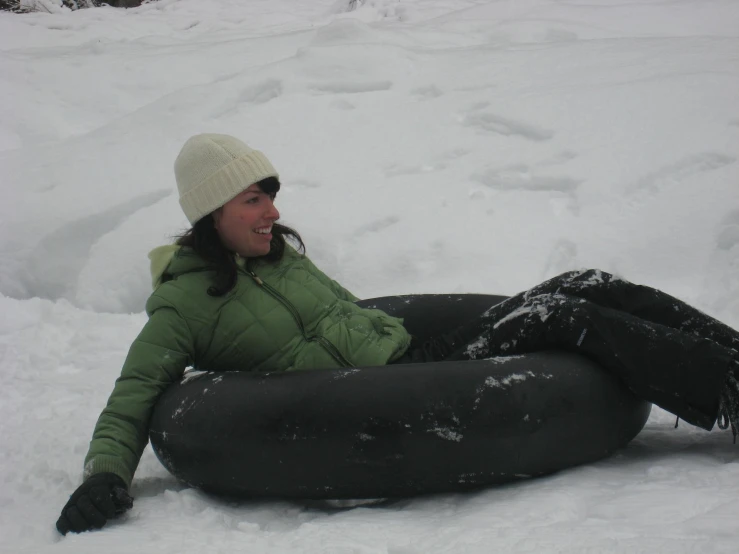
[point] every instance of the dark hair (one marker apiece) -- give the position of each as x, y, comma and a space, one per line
205, 241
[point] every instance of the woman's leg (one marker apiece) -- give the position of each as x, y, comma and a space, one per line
665, 350
641, 301
598, 287
678, 371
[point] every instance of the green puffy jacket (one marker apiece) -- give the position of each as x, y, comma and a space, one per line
279, 317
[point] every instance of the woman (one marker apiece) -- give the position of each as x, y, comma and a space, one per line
232, 294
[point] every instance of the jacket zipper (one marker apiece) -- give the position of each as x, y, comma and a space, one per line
327, 345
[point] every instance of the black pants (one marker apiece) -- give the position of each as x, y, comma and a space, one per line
666, 351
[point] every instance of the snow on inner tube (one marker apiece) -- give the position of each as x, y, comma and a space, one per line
394, 431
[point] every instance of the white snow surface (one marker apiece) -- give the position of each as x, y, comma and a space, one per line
424, 146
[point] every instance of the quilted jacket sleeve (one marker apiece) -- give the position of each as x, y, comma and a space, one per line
157, 358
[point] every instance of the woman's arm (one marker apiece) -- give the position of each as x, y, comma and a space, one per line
157, 358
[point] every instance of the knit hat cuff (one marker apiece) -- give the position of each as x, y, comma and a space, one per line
225, 184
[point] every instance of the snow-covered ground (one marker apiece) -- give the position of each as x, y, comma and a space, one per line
424, 146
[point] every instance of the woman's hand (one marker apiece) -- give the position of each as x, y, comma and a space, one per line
100, 498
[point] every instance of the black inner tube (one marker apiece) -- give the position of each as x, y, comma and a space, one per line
394, 431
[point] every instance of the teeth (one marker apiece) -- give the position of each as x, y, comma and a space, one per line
263, 230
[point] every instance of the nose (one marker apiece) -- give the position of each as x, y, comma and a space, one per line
272, 213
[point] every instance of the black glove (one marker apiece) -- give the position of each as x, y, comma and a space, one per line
95, 501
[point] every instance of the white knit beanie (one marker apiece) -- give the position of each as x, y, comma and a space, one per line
212, 169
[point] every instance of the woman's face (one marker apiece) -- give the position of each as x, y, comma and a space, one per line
245, 222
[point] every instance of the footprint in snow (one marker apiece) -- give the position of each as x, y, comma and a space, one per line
439, 163
427, 93
499, 125
682, 169
520, 177
349, 87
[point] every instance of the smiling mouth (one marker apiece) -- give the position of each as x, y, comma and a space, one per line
263, 230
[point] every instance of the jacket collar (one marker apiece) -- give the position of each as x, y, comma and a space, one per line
177, 260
